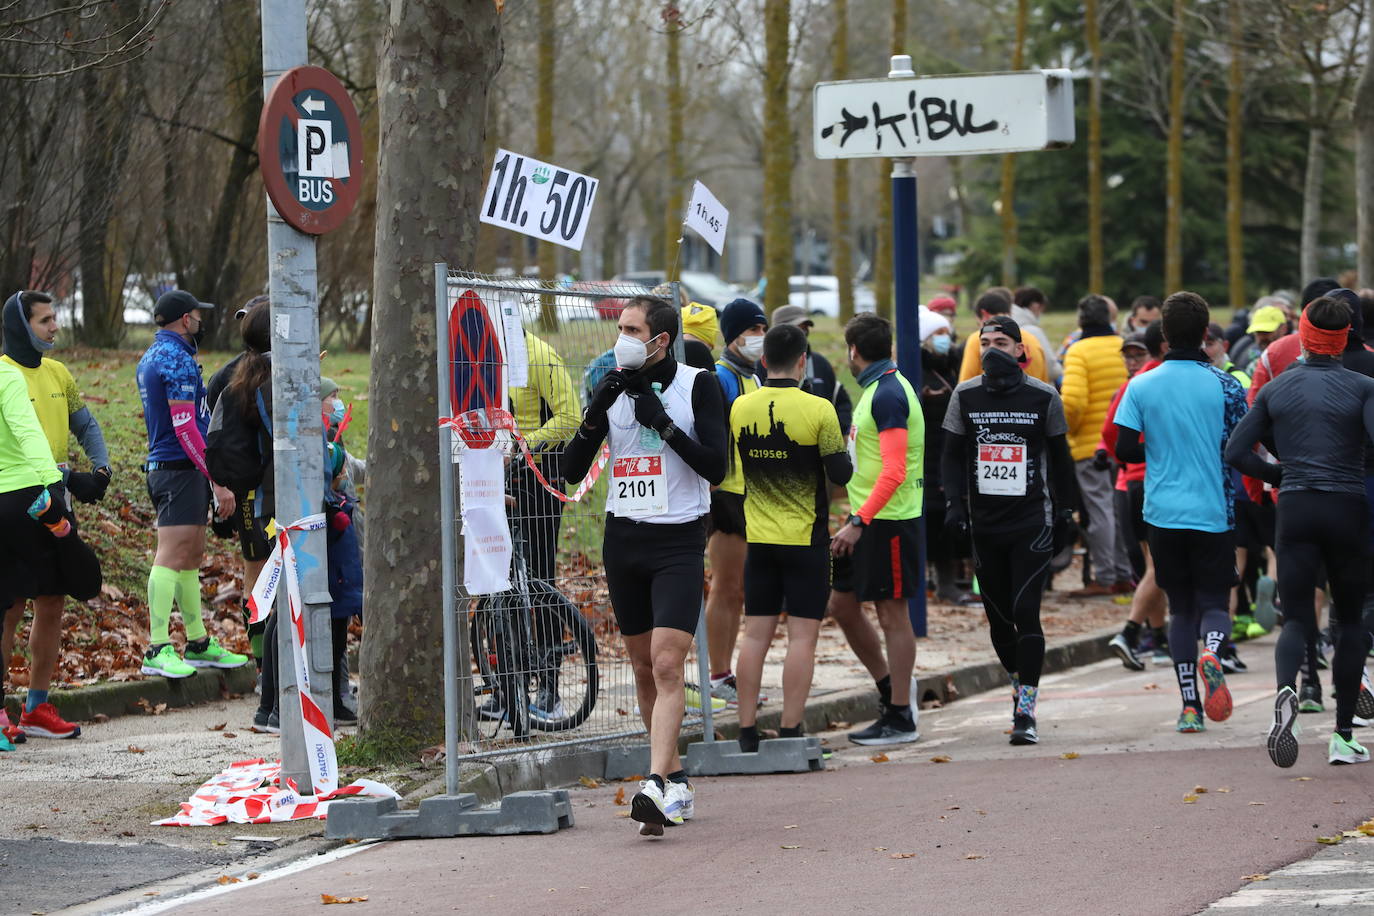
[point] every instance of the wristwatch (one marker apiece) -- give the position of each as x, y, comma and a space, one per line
669, 431
857, 522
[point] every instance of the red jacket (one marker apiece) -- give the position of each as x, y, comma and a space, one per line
1128, 472
1276, 357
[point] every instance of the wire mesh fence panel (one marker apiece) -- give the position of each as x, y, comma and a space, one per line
547, 669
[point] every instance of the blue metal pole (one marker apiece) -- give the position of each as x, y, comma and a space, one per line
906, 272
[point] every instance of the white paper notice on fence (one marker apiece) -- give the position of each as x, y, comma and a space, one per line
706, 215
486, 534
538, 199
517, 353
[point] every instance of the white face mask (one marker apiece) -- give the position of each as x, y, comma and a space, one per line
751, 348
631, 352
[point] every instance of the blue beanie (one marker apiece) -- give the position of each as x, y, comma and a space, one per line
738, 317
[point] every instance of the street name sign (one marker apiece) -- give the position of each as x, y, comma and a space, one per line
943, 115
310, 145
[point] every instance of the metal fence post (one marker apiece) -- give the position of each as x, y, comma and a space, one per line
297, 436
906, 272
453, 634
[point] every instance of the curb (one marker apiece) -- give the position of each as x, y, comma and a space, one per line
491, 780
122, 698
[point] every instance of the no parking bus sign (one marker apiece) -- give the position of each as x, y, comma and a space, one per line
311, 148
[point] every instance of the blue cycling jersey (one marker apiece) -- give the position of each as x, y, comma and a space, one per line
167, 372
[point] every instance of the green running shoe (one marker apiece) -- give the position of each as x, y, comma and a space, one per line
214, 656
1340, 751
1253, 630
692, 700
1240, 627
166, 663
1190, 720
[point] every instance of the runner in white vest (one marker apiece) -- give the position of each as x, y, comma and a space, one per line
665, 423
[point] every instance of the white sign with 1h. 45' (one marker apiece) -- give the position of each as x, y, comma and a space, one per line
944, 115
538, 199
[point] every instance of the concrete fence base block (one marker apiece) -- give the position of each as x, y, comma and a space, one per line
775, 755
627, 761
450, 816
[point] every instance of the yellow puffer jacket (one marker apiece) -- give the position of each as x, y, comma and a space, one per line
1093, 371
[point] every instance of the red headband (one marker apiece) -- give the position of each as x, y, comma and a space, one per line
1319, 340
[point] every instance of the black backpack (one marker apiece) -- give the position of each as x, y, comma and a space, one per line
237, 451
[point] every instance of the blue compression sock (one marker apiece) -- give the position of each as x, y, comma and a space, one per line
35, 699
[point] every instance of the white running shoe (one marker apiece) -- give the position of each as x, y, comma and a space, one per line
1364, 703
680, 801
650, 809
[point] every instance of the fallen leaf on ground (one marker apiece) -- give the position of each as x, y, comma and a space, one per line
973, 855
588, 782
902, 855
227, 879
252, 876
880, 849
1328, 840
620, 795
1071, 755
791, 847
1199, 790
1352, 834
940, 758
879, 757
135, 749
1151, 686
1302, 778
1224, 789
1189, 799
217, 728
952, 808
330, 898
622, 814
230, 735
790, 826
1367, 828
1254, 877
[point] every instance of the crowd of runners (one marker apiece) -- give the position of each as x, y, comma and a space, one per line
1221, 478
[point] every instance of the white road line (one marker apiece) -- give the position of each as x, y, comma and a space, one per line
1254, 896
1325, 867
300, 865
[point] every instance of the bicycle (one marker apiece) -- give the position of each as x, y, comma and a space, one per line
532, 643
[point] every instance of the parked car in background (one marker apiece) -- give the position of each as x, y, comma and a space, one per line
819, 294
708, 289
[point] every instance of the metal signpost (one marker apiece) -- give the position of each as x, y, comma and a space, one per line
906, 116
310, 147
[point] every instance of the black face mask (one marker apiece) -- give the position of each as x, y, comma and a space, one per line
1001, 371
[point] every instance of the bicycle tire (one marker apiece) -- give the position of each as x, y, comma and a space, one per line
499, 650
576, 636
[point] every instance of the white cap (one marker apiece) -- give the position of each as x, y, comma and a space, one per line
931, 322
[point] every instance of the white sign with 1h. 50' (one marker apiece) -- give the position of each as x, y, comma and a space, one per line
538, 199
944, 115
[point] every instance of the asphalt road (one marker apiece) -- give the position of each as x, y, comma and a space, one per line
1111, 830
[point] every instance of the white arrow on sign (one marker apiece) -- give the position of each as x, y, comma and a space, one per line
312, 105
943, 115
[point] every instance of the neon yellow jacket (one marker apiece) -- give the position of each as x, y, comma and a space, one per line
25, 458
547, 410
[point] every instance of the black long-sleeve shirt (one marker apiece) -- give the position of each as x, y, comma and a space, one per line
705, 454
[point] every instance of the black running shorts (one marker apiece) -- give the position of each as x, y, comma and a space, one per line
883, 564
655, 573
727, 513
181, 497
776, 572
1203, 561
253, 541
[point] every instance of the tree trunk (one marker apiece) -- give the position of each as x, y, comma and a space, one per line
882, 258
841, 244
1363, 116
777, 156
1008, 197
1173, 190
1096, 281
437, 62
673, 213
543, 146
1309, 267
1235, 200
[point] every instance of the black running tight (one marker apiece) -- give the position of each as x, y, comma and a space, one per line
1317, 528
1011, 568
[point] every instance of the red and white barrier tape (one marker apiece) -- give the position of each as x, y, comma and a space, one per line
470, 424
319, 740
249, 792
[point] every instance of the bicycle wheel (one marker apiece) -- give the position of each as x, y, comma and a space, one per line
562, 653
500, 649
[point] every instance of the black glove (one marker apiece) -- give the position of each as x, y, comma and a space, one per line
605, 394
956, 523
87, 486
54, 514
649, 412
1101, 460
1065, 530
